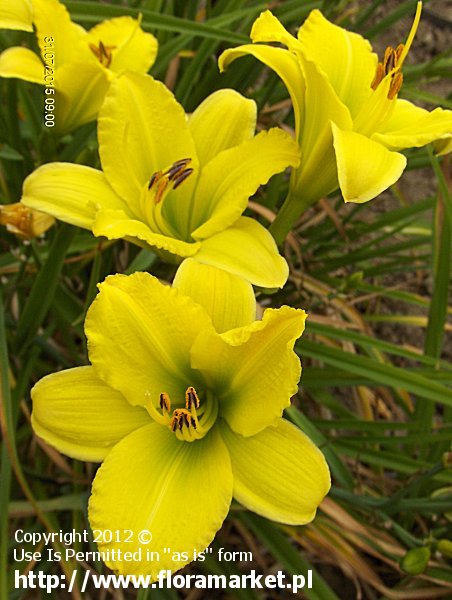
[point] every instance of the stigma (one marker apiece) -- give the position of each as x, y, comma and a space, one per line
190, 423
393, 60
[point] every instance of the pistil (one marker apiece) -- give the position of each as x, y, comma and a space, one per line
393, 60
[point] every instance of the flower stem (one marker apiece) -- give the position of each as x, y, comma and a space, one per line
293, 207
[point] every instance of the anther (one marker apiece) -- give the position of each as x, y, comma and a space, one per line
389, 60
191, 398
102, 53
180, 418
162, 184
174, 175
396, 84
165, 402
182, 177
154, 178
177, 168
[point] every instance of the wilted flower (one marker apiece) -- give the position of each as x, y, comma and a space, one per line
25, 222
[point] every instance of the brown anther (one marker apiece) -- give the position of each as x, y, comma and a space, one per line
180, 418
165, 402
182, 177
177, 167
191, 398
390, 61
396, 84
398, 52
95, 50
102, 53
379, 74
162, 184
154, 178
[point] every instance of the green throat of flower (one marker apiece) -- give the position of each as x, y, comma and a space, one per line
190, 423
393, 60
156, 191
102, 53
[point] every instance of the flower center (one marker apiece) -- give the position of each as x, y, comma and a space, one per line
174, 175
155, 192
190, 423
102, 53
393, 60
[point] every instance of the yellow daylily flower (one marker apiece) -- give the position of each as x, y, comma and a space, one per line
79, 65
174, 183
182, 403
350, 124
16, 15
24, 222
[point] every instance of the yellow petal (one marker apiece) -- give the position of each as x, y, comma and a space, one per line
141, 130
180, 492
52, 20
278, 473
139, 337
285, 65
248, 250
223, 120
365, 168
267, 28
412, 126
116, 224
77, 413
443, 146
69, 192
131, 48
21, 63
81, 89
253, 368
346, 58
229, 300
233, 176
17, 14
317, 174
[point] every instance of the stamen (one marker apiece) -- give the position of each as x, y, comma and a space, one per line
395, 85
379, 75
182, 177
190, 423
154, 193
191, 398
389, 60
177, 168
102, 53
165, 402
154, 178
175, 174
161, 187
